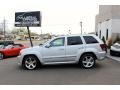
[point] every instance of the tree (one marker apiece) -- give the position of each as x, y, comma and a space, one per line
14, 31
33, 34
18, 31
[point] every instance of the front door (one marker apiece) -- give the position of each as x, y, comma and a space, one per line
55, 52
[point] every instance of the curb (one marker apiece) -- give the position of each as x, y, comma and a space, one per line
114, 58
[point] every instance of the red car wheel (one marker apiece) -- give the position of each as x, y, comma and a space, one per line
1, 56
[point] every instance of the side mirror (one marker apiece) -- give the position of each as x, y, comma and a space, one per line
48, 45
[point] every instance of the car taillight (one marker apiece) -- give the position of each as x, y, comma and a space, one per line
103, 47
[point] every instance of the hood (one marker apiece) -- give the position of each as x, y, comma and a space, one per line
117, 44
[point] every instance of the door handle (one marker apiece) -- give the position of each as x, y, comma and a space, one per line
61, 49
80, 48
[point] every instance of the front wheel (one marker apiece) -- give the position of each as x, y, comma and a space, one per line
1, 56
30, 62
87, 61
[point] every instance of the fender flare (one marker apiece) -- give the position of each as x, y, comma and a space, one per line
35, 53
88, 50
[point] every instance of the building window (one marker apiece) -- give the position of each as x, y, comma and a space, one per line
107, 34
100, 34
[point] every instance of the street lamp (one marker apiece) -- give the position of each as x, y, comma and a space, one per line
81, 26
69, 32
4, 27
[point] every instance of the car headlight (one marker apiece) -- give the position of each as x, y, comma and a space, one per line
20, 53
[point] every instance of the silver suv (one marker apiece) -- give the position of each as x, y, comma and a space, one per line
79, 49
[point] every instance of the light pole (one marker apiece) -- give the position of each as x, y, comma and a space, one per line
4, 27
81, 26
69, 32
29, 36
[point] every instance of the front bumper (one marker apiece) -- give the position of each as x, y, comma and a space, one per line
114, 53
19, 59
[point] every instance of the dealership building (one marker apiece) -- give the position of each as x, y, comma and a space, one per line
107, 23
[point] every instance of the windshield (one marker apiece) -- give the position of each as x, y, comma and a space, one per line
118, 42
9, 46
1, 46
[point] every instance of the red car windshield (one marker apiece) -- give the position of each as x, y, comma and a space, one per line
9, 46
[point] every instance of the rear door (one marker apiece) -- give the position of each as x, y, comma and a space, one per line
91, 42
74, 44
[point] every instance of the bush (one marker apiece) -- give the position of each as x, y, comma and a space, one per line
110, 43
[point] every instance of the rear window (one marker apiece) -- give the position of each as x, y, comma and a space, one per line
90, 39
76, 40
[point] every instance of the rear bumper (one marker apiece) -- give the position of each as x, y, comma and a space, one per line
101, 55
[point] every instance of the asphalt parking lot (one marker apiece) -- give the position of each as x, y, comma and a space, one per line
106, 72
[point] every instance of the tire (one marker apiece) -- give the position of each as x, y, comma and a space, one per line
87, 61
111, 53
30, 62
1, 56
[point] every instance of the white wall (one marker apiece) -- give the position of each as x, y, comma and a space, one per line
103, 27
116, 26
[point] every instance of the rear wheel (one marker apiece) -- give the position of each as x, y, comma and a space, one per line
1, 56
87, 61
30, 62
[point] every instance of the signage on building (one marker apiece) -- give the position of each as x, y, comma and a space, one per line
28, 19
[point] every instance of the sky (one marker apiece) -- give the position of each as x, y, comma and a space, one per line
58, 16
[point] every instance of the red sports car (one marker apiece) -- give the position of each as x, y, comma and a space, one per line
11, 50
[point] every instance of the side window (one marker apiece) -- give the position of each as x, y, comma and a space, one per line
58, 42
90, 39
76, 40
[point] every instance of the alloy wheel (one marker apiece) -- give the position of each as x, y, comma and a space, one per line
30, 63
88, 61
1, 56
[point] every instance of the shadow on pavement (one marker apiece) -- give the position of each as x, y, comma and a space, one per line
65, 67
